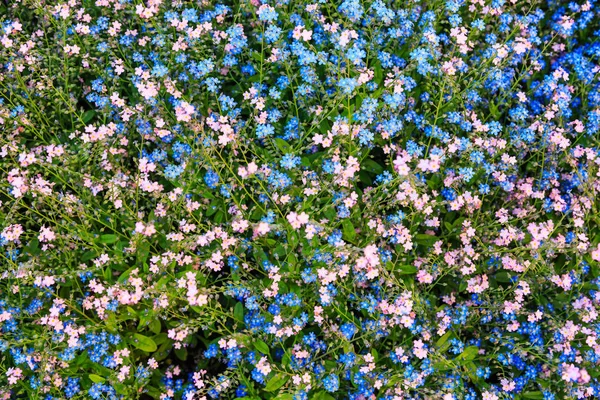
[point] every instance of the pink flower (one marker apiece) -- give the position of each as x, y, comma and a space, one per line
297, 220
489, 396
184, 111
596, 253
46, 235
262, 229
571, 373
14, 374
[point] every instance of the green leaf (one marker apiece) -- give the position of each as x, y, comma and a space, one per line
440, 342
34, 247
160, 338
262, 347
285, 360
293, 240
144, 343
276, 382
96, 378
125, 275
406, 269
323, 395
283, 146
364, 178
423, 238
372, 166
472, 371
155, 326
330, 212
533, 395
256, 214
87, 256
378, 73
219, 217
442, 366
349, 233
153, 392
468, 354
503, 276
120, 388
163, 351
213, 207
494, 110
181, 353
143, 251
108, 238
238, 312
284, 396
257, 56
87, 116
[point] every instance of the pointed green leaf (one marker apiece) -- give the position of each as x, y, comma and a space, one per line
284, 396
262, 347
155, 326
87, 116
440, 342
372, 166
406, 269
181, 353
276, 382
468, 354
238, 312
143, 343
283, 146
96, 378
533, 395
108, 238
349, 233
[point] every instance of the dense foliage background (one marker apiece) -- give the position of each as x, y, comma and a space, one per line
299, 200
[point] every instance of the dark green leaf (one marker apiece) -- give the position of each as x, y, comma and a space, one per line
181, 353
87, 116
423, 238
503, 276
372, 166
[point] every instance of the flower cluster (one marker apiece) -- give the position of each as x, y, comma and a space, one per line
279, 199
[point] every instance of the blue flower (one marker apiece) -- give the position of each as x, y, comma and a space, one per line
211, 179
267, 13
351, 9
289, 161
348, 330
347, 85
331, 383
